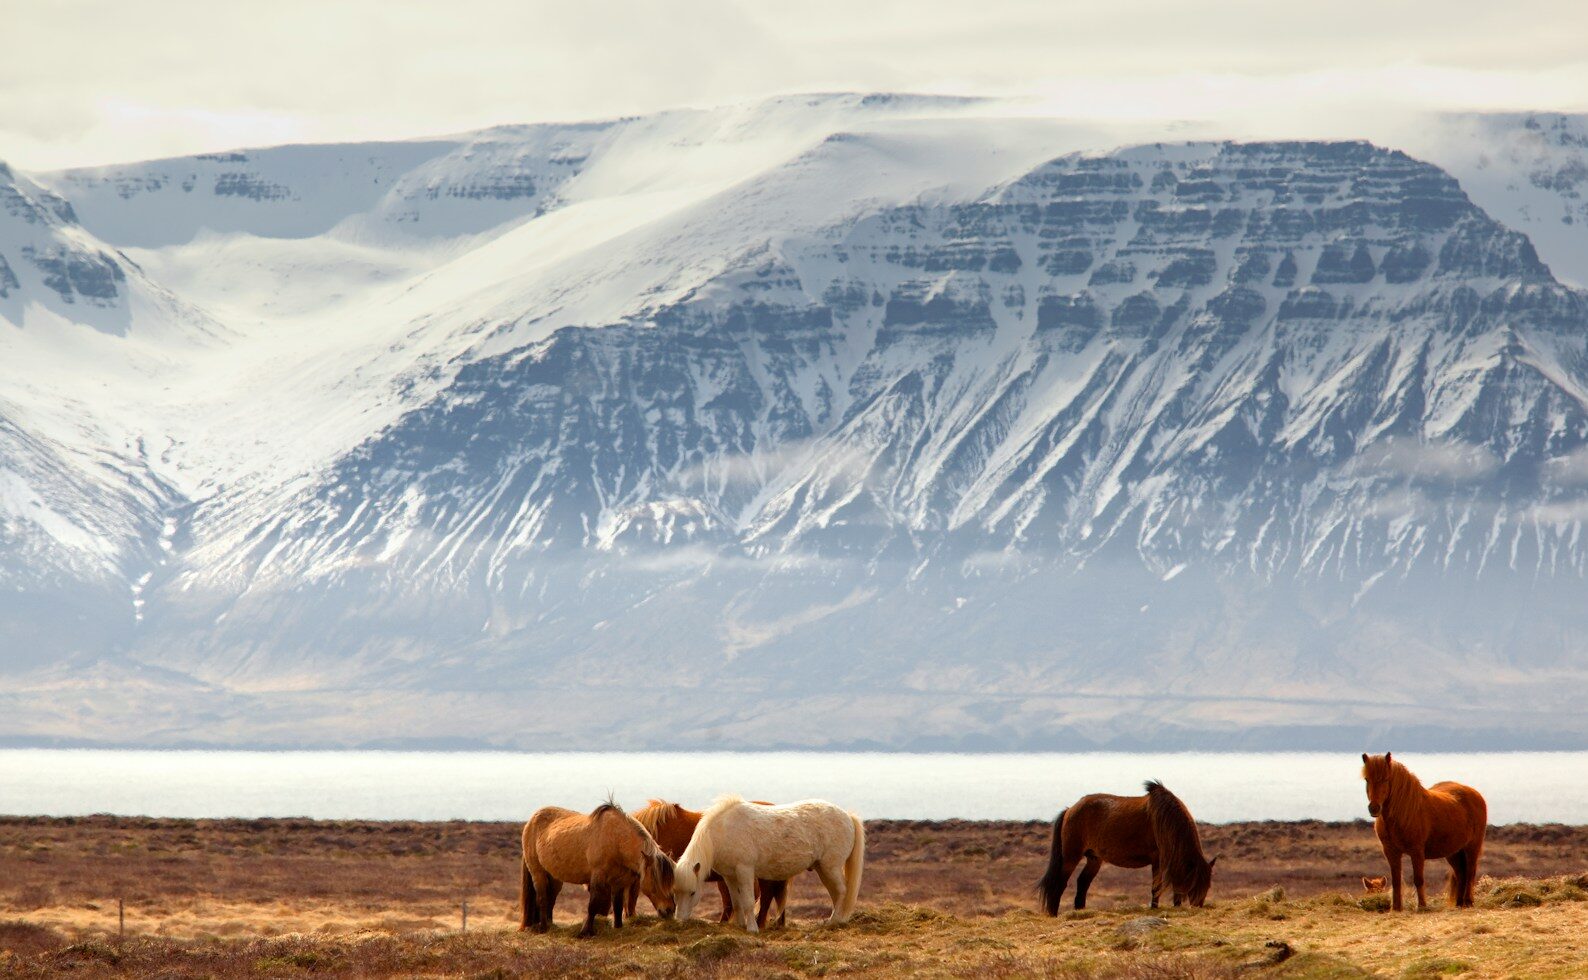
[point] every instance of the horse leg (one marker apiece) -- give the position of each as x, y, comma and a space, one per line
726, 894
1473, 852
633, 898
1417, 880
1458, 878
742, 884
1394, 859
528, 901
600, 901
772, 891
618, 898
548, 887
834, 883
1094, 864
1157, 883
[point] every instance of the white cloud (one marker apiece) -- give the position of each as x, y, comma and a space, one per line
84, 81
1557, 512
1441, 461
1570, 470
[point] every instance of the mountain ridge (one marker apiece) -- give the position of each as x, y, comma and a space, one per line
1187, 423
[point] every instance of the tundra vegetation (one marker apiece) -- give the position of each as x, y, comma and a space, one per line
290, 898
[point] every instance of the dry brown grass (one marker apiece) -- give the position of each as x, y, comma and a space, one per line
272, 898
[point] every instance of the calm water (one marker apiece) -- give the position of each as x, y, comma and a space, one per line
1521, 786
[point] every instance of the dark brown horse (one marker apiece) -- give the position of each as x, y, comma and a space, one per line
672, 826
608, 851
1447, 821
1154, 831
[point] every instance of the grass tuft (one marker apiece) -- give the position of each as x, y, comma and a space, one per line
1520, 893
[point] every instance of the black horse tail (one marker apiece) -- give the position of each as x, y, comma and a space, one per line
526, 894
1051, 887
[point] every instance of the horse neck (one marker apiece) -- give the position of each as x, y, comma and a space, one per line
643, 835
1407, 795
1178, 841
702, 848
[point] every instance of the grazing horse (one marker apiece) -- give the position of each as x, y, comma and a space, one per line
607, 851
743, 842
672, 826
1155, 830
1447, 821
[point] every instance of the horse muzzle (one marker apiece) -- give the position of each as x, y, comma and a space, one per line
1372, 809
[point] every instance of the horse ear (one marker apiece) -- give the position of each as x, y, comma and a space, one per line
1213, 862
697, 869
1387, 757
1364, 758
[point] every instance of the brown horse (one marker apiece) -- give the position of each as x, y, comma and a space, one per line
1154, 831
1447, 821
608, 852
673, 826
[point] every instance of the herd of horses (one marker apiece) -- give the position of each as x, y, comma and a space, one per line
751, 849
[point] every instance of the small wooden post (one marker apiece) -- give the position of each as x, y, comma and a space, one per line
121, 918
465, 915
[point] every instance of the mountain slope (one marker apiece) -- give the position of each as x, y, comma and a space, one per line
838, 427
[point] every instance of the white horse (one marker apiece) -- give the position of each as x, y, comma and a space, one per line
743, 842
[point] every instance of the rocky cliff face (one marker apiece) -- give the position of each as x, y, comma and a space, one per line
1181, 444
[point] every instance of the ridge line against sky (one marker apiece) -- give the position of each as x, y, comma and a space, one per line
86, 82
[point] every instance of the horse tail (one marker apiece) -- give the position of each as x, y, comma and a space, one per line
1051, 887
853, 866
526, 895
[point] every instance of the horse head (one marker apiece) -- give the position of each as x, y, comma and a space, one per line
657, 881
1373, 885
1201, 881
687, 882
1376, 772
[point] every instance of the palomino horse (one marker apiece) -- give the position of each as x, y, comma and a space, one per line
672, 826
743, 842
1155, 830
1447, 821
607, 851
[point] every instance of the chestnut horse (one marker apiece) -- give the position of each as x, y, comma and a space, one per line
1155, 830
1447, 821
672, 826
607, 851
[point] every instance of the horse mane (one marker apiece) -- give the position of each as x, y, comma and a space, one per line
644, 822
721, 804
1179, 845
656, 814
610, 804
701, 846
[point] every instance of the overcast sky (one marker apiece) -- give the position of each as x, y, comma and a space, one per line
86, 81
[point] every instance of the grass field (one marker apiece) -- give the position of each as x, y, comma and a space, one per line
288, 898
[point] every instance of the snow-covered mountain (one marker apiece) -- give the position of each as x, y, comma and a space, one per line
838, 420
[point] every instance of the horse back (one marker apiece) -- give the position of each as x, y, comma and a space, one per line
784, 839
1118, 829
